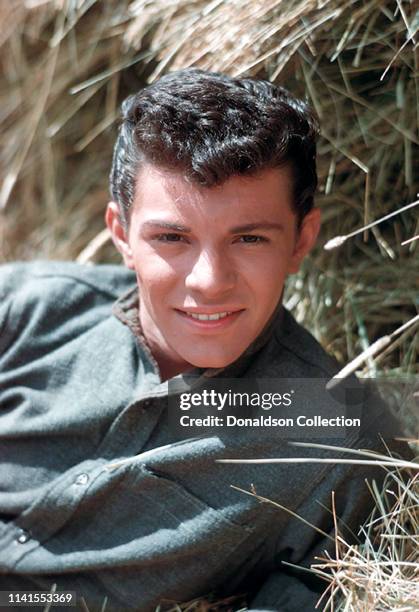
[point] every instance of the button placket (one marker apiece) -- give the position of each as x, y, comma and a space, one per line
23, 537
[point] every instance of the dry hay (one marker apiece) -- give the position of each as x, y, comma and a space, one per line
381, 573
67, 64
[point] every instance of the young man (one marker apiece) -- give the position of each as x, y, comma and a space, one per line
212, 183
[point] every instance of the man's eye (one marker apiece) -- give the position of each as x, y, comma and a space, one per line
251, 239
170, 237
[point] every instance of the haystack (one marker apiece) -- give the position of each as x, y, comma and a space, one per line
67, 65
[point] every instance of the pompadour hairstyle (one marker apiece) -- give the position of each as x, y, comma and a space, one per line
210, 127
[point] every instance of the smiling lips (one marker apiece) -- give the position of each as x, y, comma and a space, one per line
210, 318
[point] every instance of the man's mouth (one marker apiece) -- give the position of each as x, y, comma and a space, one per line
210, 317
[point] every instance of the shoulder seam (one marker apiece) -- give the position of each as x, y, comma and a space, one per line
78, 280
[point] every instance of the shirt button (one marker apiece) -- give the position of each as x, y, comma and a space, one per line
82, 479
23, 537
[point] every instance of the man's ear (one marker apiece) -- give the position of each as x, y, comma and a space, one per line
306, 238
119, 236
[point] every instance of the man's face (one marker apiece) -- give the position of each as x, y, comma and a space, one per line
210, 262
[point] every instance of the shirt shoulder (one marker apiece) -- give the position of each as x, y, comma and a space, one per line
39, 297
109, 280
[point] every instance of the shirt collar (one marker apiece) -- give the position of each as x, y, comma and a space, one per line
126, 309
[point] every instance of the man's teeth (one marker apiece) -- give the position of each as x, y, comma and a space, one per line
208, 317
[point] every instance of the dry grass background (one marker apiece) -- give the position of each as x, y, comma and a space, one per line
67, 64
381, 572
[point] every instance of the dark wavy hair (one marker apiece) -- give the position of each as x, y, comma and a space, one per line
210, 127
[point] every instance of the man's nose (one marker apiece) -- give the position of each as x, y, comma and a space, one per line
211, 274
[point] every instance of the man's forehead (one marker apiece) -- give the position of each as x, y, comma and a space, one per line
267, 184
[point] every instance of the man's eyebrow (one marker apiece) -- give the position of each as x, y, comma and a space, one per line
174, 227
239, 229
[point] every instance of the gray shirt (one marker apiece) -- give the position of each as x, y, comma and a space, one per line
79, 390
